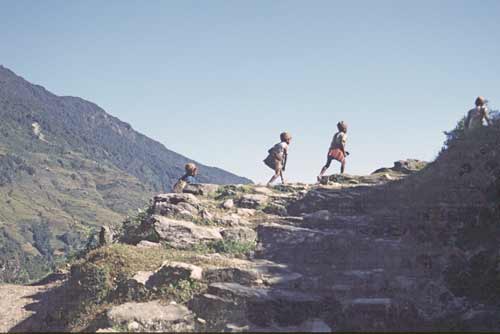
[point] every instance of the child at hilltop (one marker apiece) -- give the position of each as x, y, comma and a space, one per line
188, 178
277, 158
477, 115
337, 149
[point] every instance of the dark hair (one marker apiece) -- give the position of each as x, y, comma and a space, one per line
342, 126
480, 101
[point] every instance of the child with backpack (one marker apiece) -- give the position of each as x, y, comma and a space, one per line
277, 158
188, 178
337, 149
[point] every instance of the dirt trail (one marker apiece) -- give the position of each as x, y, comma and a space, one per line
15, 301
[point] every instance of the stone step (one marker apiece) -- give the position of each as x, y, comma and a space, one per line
347, 284
233, 303
251, 273
378, 314
343, 248
325, 219
150, 316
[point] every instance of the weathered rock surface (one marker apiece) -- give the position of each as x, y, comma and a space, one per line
241, 234
231, 220
228, 204
253, 201
151, 317
176, 205
404, 166
182, 234
175, 199
242, 306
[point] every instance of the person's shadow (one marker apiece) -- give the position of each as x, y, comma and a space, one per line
43, 306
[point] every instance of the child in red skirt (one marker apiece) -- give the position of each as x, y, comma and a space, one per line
337, 149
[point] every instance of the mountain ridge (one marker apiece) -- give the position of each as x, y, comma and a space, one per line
67, 167
72, 103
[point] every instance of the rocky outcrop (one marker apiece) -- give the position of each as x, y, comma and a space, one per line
182, 234
176, 205
408, 166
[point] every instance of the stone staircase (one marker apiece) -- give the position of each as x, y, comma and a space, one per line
366, 275
329, 270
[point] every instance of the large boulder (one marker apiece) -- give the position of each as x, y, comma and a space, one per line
151, 317
176, 205
182, 234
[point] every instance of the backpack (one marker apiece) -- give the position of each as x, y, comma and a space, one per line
276, 151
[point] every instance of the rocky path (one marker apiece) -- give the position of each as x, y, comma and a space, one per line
334, 274
360, 277
15, 301
320, 266
345, 270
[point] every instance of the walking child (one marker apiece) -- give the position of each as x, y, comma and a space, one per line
337, 149
277, 158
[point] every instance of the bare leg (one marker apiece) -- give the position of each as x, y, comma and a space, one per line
277, 173
342, 167
272, 179
323, 170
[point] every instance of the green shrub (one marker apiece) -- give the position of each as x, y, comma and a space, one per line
132, 228
182, 290
232, 247
231, 191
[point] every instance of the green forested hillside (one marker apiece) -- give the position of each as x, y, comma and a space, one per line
66, 166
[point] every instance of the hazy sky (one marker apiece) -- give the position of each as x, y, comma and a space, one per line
219, 80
